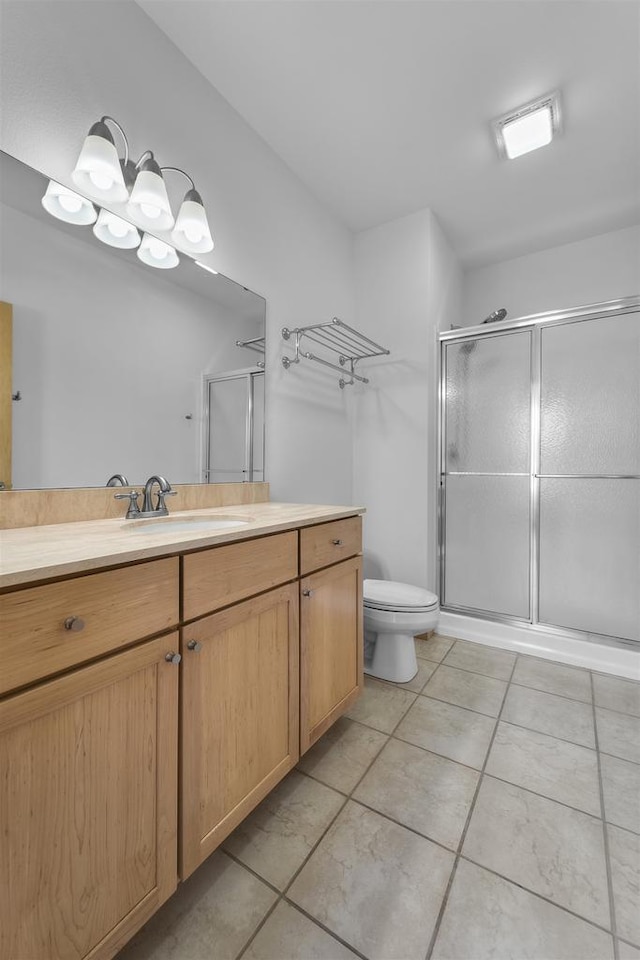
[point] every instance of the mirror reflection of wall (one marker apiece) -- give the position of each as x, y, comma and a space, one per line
109, 355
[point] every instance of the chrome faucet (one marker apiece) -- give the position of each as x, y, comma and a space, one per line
164, 490
117, 478
148, 510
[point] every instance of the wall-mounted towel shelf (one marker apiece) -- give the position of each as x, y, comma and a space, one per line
256, 344
350, 345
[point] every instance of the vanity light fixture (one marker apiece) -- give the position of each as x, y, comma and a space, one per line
99, 171
65, 204
529, 127
157, 253
192, 228
104, 176
149, 204
115, 231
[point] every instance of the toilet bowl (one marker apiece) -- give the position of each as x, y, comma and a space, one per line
393, 614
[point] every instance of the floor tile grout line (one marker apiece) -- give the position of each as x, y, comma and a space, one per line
453, 850
319, 923
574, 743
262, 923
527, 656
552, 693
348, 797
620, 713
615, 756
428, 696
476, 770
475, 673
629, 943
451, 703
539, 896
445, 899
466, 766
282, 895
605, 835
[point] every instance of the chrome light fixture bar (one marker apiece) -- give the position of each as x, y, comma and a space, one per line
105, 176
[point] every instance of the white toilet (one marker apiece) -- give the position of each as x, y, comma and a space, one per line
393, 614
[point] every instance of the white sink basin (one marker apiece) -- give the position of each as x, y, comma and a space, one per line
184, 524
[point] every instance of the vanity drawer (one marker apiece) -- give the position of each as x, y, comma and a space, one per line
102, 612
329, 543
222, 575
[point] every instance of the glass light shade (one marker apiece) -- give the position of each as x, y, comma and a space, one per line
149, 204
115, 231
191, 231
157, 253
98, 172
65, 204
528, 133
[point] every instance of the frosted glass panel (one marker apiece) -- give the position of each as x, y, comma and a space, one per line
258, 426
488, 404
590, 555
487, 544
591, 396
228, 401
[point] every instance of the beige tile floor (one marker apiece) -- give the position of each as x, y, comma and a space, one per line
488, 809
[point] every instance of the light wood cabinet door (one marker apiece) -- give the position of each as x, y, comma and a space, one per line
88, 791
331, 647
239, 716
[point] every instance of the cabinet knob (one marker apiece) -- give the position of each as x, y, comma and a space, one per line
74, 623
337, 543
194, 645
173, 657
307, 593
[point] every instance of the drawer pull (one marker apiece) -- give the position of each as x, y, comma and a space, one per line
337, 543
74, 623
307, 593
194, 645
173, 657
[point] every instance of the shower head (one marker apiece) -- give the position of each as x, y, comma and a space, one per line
496, 316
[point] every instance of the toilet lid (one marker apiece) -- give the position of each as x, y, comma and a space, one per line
391, 595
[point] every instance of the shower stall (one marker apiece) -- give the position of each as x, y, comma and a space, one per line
539, 472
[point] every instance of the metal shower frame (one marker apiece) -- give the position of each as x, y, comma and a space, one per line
534, 323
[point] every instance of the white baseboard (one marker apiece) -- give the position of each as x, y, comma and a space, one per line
616, 658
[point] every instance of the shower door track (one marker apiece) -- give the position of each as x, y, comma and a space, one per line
535, 323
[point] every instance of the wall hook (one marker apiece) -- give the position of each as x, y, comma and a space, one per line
16, 396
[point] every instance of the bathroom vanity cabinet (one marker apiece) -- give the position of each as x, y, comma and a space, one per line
331, 664
115, 754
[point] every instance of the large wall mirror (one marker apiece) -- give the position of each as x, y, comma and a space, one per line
118, 367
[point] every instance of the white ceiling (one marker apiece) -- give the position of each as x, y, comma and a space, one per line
382, 107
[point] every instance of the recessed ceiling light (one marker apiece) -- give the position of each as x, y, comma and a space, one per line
528, 127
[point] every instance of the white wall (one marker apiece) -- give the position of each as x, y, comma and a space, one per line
605, 267
407, 287
66, 63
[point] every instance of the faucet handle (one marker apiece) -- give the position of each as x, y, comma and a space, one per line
132, 497
161, 506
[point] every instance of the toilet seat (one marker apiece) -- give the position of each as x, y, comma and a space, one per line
397, 597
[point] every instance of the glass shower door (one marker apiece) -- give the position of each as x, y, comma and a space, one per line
486, 478
590, 476
234, 443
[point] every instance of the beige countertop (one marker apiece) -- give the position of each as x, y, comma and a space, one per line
29, 554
